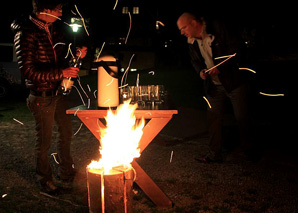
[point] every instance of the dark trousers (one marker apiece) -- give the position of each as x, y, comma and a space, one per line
238, 98
47, 111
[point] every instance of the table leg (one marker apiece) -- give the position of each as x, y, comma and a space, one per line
152, 128
150, 188
93, 124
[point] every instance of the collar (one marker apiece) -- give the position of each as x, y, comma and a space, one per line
40, 24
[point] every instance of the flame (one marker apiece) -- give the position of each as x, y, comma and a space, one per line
120, 139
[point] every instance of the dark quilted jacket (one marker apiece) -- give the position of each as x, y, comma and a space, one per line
40, 58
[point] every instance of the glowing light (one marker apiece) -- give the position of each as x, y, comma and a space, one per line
83, 20
207, 102
100, 50
120, 139
245, 68
18, 121
126, 71
75, 27
229, 57
151, 72
130, 22
54, 157
159, 23
42, 13
78, 129
267, 94
224, 56
115, 4
171, 156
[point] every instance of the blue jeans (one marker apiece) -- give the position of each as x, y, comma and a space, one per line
238, 98
47, 111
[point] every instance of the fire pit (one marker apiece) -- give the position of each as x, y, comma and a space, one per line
110, 192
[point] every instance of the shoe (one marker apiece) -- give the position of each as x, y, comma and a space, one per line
208, 160
49, 188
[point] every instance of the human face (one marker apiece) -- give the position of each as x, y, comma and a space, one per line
51, 16
190, 28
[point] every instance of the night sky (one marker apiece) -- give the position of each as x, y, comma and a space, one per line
275, 22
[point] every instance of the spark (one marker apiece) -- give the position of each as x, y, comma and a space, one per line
78, 129
106, 101
115, 5
224, 56
207, 102
73, 12
100, 50
152, 72
159, 23
76, 112
69, 51
4, 195
94, 93
88, 103
245, 68
126, 71
123, 86
130, 21
220, 63
80, 95
83, 21
88, 88
78, 80
43, 13
171, 156
54, 157
110, 82
58, 44
138, 80
273, 95
18, 121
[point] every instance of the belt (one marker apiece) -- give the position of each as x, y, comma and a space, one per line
43, 93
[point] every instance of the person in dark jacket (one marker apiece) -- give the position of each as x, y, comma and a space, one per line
41, 51
210, 43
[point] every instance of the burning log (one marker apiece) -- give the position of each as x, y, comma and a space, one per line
110, 192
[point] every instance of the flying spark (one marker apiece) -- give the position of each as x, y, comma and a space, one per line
229, 57
78, 129
171, 156
245, 68
18, 121
130, 21
273, 95
207, 102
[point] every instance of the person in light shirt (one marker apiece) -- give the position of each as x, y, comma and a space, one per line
210, 42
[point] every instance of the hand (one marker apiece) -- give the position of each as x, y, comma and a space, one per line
82, 52
203, 75
214, 71
70, 72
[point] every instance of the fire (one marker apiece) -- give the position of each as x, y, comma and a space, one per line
120, 139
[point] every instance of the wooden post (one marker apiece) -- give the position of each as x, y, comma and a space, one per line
110, 192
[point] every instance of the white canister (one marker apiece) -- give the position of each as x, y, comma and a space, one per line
107, 82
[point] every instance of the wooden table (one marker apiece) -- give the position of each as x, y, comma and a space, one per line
157, 121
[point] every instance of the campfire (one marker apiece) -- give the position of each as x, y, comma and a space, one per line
110, 178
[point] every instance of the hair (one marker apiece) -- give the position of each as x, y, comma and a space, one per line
191, 16
40, 5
